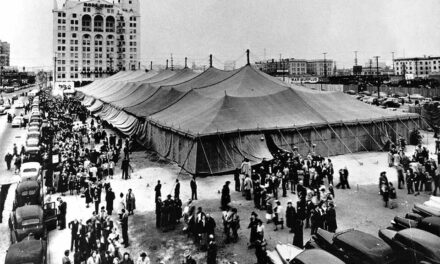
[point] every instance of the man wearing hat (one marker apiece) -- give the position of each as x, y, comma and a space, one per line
226, 197
143, 259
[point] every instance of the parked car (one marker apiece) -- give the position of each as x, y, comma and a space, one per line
17, 121
391, 102
2, 110
313, 256
424, 210
353, 246
413, 246
33, 134
26, 252
33, 154
27, 192
19, 104
30, 171
33, 129
27, 220
7, 105
286, 253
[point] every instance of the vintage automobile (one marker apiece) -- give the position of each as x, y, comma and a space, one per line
19, 104
33, 134
29, 251
2, 110
33, 129
6, 105
313, 256
17, 121
27, 192
286, 253
412, 245
33, 154
32, 142
27, 220
430, 224
425, 211
30, 171
353, 246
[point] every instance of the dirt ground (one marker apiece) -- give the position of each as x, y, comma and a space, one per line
360, 207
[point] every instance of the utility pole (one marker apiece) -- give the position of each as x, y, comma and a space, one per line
392, 56
325, 64
377, 72
355, 58
172, 67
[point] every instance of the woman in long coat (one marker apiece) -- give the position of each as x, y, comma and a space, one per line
130, 202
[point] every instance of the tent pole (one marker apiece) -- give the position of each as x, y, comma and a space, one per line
368, 133
323, 141
227, 151
355, 137
285, 140
305, 141
340, 139
186, 159
206, 157
380, 130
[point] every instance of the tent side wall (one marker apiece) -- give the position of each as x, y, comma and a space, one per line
355, 137
171, 145
222, 153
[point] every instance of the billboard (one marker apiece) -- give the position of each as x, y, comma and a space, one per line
60, 87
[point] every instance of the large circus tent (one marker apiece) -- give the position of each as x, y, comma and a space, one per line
209, 122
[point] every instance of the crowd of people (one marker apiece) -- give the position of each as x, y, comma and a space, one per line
84, 157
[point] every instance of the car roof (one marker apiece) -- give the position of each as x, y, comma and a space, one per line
28, 211
30, 165
317, 256
26, 251
427, 243
372, 247
27, 185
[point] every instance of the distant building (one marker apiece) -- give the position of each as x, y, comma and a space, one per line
5, 53
96, 38
297, 67
229, 65
417, 66
320, 67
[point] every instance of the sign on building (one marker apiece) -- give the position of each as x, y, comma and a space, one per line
62, 87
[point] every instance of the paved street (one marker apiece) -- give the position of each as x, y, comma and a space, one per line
9, 136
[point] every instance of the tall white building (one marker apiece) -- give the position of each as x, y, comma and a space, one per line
417, 66
95, 38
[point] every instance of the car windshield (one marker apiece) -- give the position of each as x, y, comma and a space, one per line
28, 193
32, 221
30, 170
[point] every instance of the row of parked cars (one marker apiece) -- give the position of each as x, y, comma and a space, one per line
412, 239
31, 218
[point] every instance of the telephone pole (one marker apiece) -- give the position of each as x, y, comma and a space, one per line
392, 55
377, 72
325, 64
355, 58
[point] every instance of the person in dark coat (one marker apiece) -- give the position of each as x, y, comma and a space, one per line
125, 165
226, 197
130, 202
8, 160
124, 227
73, 226
260, 251
158, 211
212, 251
257, 195
298, 239
330, 218
253, 224
157, 190
109, 198
193, 185
210, 225
62, 208
290, 216
177, 190
237, 179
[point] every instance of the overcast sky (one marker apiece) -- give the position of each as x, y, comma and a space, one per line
226, 28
